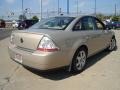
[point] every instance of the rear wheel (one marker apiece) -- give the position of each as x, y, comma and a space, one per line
79, 60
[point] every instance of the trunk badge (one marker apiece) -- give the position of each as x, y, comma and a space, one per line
21, 40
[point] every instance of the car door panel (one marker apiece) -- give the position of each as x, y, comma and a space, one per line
94, 38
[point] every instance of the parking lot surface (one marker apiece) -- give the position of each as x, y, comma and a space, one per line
102, 73
4, 33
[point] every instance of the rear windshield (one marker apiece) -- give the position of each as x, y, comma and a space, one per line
59, 23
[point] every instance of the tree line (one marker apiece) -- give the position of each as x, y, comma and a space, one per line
111, 17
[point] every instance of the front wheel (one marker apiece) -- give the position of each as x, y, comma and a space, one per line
79, 60
112, 44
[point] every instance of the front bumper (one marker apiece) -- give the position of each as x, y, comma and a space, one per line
40, 60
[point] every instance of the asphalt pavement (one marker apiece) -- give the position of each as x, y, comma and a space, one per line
5, 33
102, 73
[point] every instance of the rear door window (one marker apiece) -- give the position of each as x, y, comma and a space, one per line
85, 23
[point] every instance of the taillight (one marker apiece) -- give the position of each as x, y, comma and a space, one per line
47, 45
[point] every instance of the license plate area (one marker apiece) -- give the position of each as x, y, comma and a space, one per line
18, 58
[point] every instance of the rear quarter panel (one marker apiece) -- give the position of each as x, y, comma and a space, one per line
69, 42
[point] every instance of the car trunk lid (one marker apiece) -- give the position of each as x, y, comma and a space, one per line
27, 40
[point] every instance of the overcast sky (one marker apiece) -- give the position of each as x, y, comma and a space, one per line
85, 6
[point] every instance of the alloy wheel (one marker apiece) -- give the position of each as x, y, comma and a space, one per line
79, 60
112, 44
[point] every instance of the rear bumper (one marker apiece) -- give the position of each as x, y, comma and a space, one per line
40, 60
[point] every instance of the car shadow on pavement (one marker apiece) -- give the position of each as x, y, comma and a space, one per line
63, 73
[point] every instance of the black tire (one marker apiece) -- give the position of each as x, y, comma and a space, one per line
76, 65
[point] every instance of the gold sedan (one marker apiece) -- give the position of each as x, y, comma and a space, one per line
61, 41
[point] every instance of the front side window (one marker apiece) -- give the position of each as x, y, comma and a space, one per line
59, 23
99, 25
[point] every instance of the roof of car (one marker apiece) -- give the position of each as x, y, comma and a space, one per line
75, 16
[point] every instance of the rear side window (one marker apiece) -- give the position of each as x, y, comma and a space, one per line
85, 23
